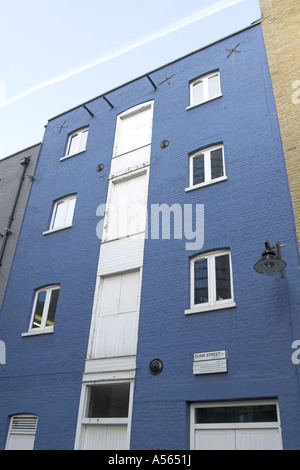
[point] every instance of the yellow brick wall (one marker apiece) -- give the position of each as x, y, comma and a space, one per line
281, 30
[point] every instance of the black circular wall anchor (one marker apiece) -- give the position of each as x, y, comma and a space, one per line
164, 144
100, 167
156, 366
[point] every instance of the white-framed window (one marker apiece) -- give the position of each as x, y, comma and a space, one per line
205, 88
21, 433
206, 166
77, 142
44, 310
62, 215
211, 282
106, 416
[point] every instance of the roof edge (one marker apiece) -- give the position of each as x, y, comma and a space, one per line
21, 151
252, 25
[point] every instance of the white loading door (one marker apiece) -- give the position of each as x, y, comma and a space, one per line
236, 426
105, 437
258, 439
127, 208
238, 439
218, 439
134, 129
117, 325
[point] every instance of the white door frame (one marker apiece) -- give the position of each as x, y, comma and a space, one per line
214, 426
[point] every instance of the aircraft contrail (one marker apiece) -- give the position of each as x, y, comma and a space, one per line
199, 15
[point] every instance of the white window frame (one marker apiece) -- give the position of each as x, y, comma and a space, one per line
66, 200
206, 97
207, 168
44, 328
77, 149
213, 303
84, 421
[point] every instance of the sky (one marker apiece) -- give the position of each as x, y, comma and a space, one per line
58, 54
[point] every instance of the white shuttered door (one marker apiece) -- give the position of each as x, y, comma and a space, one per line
134, 130
127, 208
238, 439
116, 331
108, 437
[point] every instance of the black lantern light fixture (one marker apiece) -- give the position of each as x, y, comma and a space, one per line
156, 366
270, 262
164, 144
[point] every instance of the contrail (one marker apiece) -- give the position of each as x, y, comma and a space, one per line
199, 15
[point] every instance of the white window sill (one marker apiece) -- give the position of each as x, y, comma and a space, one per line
208, 308
70, 156
104, 421
203, 102
39, 331
58, 229
206, 183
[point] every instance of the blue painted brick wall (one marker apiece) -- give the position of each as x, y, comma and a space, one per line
43, 373
241, 213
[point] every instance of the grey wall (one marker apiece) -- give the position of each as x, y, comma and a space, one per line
10, 175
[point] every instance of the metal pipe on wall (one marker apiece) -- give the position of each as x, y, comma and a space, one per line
8, 230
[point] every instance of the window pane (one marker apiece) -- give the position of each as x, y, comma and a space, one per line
52, 307
216, 157
70, 211
237, 414
83, 139
201, 282
109, 401
198, 169
223, 285
198, 93
37, 320
73, 144
59, 215
213, 86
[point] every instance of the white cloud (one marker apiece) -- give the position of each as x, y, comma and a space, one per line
2, 92
199, 15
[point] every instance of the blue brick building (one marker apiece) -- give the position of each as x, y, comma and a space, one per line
128, 328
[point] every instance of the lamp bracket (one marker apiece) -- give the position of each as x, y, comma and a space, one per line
276, 247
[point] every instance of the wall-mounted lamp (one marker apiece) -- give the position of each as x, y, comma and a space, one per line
25, 161
164, 144
100, 167
270, 262
156, 366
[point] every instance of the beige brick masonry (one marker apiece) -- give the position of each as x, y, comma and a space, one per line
281, 30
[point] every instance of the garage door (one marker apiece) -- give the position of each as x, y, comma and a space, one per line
239, 426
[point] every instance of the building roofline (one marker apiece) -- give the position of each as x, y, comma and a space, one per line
21, 151
252, 25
